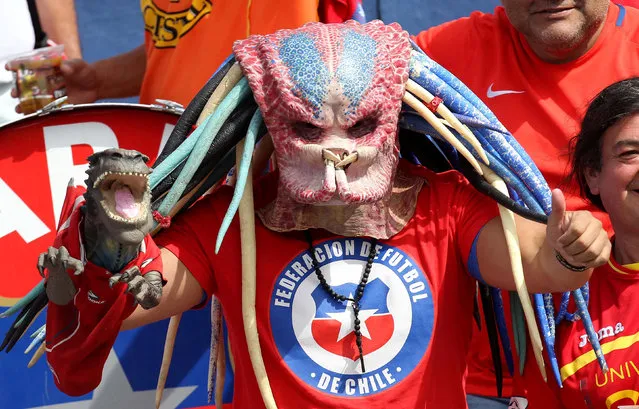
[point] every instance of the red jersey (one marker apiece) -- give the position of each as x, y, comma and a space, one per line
80, 334
540, 103
613, 307
416, 312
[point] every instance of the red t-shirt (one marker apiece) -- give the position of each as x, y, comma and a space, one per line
80, 334
541, 104
416, 311
613, 305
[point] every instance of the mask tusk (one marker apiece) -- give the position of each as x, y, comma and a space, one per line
347, 161
432, 119
510, 232
232, 77
328, 155
220, 376
37, 355
214, 347
247, 238
169, 343
38, 339
451, 120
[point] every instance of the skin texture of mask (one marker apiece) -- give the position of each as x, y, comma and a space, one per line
332, 114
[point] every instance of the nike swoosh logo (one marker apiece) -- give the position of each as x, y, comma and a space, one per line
490, 93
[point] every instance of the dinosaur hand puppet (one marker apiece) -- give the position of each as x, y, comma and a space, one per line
114, 235
102, 264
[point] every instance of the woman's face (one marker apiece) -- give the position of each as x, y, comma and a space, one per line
617, 183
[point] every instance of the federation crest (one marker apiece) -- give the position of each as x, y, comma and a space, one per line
315, 334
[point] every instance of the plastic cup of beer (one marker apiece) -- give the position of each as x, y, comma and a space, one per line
38, 78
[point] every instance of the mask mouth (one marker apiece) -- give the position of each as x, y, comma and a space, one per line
336, 165
344, 176
123, 196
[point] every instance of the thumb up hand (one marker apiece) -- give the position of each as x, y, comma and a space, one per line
578, 238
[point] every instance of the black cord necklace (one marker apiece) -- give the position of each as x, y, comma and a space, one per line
358, 294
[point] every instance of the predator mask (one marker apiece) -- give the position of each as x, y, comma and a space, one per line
330, 96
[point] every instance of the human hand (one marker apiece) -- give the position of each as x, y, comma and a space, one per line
81, 81
578, 238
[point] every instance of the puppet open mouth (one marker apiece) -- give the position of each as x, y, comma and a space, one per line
123, 195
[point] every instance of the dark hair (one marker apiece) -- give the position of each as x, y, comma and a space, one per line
615, 102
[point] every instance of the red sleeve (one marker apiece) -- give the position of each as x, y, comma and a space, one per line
186, 235
472, 210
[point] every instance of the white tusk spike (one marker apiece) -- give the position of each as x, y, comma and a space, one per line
169, 343
510, 232
226, 85
451, 119
37, 355
432, 119
249, 260
221, 373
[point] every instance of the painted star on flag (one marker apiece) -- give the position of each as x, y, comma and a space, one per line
115, 392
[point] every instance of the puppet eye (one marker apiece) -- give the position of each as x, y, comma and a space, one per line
362, 128
306, 130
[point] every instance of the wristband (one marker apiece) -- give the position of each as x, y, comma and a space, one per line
567, 265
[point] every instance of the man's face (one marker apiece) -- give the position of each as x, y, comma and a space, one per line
617, 183
556, 24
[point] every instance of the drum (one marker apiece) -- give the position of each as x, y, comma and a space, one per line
40, 153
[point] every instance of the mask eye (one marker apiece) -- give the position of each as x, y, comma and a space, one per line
362, 128
307, 131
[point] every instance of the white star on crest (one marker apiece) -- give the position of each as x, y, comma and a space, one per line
115, 392
347, 319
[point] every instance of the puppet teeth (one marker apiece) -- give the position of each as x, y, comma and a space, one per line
100, 178
451, 120
510, 232
432, 119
